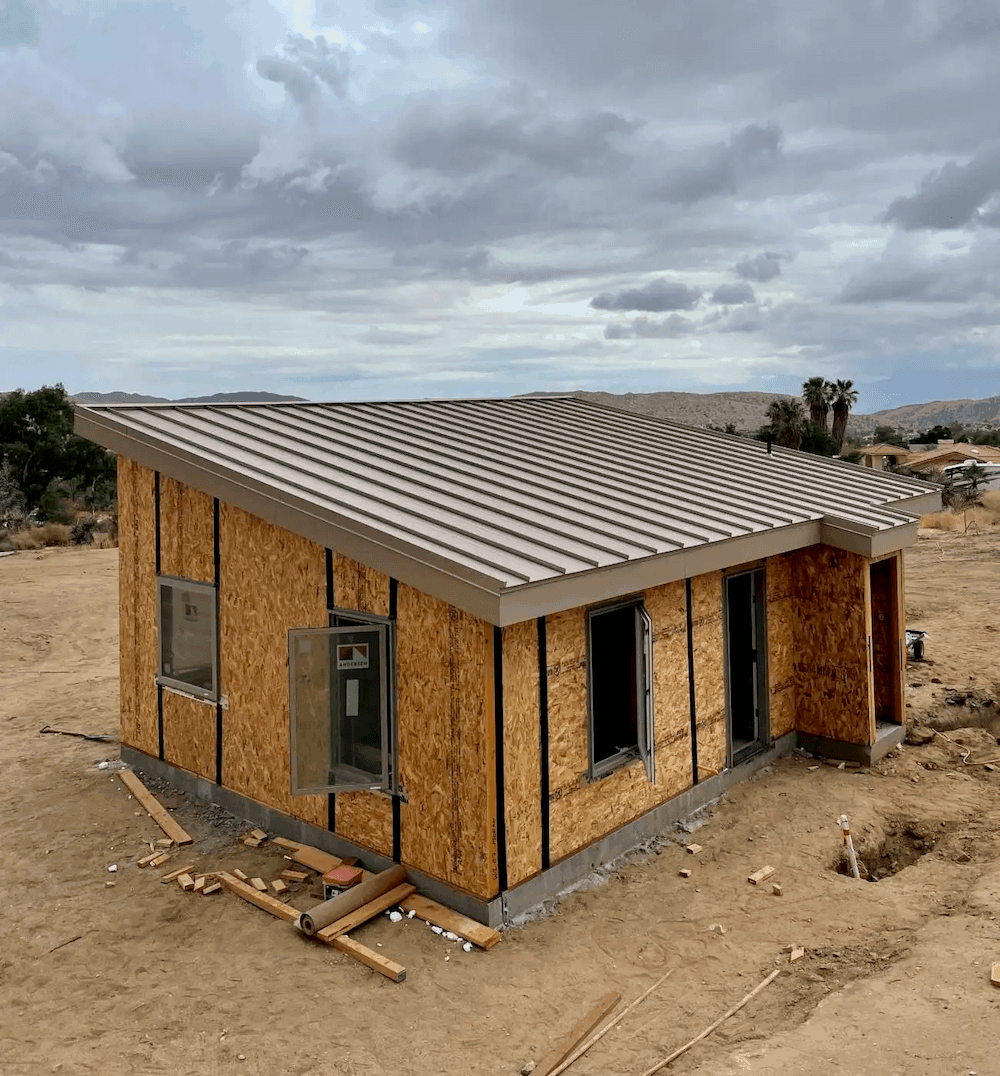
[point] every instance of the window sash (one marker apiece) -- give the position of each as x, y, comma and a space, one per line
203, 590
349, 777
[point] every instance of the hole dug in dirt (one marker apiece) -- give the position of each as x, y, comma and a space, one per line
897, 847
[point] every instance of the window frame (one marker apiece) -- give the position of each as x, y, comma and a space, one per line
172, 682
386, 626
644, 750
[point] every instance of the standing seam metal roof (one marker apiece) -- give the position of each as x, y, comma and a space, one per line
514, 490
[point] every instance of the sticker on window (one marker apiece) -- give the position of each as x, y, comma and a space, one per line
352, 655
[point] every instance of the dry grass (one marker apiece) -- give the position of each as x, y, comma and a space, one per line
44, 535
102, 540
986, 515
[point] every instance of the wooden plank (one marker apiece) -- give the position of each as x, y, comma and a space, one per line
576, 1034
177, 873
186, 882
279, 886
294, 876
259, 884
483, 936
252, 842
159, 859
213, 888
239, 874
146, 860
264, 901
760, 876
259, 834
199, 884
365, 912
284, 842
382, 964
315, 857
154, 808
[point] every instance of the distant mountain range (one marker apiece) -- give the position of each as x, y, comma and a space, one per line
218, 397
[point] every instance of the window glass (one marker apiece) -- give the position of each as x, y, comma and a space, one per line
187, 635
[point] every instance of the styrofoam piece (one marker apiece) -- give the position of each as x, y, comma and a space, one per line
410, 914
436, 929
112, 868
450, 935
467, 946
396, 916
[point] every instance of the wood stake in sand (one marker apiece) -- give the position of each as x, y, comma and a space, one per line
708, 1030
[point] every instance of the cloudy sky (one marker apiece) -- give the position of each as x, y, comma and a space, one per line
348, 200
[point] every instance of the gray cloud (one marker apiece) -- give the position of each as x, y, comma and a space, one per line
723, 167
733, 294
19, 23
954, 196
304, 65
644, 329
657, 296
761, 267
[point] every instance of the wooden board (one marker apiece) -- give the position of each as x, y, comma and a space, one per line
170, 876
356, 586
382, 964
189, 733
154, 808
271, 580
263, 901
186, 532
315, 858
477, 933
365, 912
521, 751
446, 749
137, 606
576, 1034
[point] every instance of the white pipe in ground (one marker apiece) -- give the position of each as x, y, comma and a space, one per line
849, 845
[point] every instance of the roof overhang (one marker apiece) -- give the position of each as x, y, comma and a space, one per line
481, 595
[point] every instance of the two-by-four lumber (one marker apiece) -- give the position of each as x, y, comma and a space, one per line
760, 876
576, 1034
262, 900
154, 808
294, 876
483, 936
177, 873
382, 964
331, 910
365, 912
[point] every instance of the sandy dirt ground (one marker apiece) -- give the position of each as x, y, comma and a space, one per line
895, 977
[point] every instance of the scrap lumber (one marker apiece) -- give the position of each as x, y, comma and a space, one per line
382, 964
760, 876
165, 842
213, 888
576, 1034
252, 842
294, 876
483, 936
154, 808
239, 874
685, 872
711, 1027
160, 859
259, 834
364, 913
315, 858
693, 849
186, 882
146, 860
177, 873
331, 910
279, 886
199, 884
284, 842
259, 884
263, 901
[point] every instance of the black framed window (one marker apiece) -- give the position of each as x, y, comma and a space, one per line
187, 624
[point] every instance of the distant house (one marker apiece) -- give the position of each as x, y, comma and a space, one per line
948, 453
879, 457
499, 641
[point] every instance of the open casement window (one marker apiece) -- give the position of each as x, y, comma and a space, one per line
339, 681
620, 681
186, 617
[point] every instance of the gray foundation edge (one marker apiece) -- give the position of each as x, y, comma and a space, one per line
546, 885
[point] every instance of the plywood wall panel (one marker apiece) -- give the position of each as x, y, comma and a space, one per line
709, 673
189, 733
782, 616
582, 811
137, 606
186, 532
569, 751
832, 663
445, 719
522, 751
271, 580
356, 586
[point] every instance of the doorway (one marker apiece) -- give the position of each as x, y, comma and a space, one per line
746, 681
887, 673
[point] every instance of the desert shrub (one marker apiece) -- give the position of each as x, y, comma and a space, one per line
47, 534
102, 540
943, 521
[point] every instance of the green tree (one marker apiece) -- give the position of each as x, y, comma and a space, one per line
786, 422
933, 435
816, 440
844, 398
45, 458
817, 394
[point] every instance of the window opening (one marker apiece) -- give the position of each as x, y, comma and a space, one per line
187, 630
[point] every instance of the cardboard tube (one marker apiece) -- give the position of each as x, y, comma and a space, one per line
331, 910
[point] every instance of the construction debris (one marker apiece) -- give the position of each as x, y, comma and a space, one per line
693, 849
352, 920
279, 886
576, 1034
186, 882
159, 859
294, 876
685, 872
431, 912
154, 808
761, 876
214, 887
331, 910
995, 974
775, 889
177, 873
239, 874
796, 954
259, 884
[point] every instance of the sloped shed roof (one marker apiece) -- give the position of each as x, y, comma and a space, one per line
514, 508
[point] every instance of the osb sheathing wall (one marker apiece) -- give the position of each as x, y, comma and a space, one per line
187, 551
709, 673
582, 811
363, 817
137, 608
522, 751
271, 580
818, 630
447, 753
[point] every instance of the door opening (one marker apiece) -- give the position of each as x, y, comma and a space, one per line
886, 671
747, 680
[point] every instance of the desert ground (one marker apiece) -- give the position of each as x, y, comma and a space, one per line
896, 973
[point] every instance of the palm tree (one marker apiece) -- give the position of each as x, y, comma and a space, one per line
817, 394
787, 421
844, 398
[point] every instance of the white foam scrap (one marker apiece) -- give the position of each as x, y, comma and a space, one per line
395, 916
436, 929
112, 868
467, 947
410, 914
447, 958
450, 936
